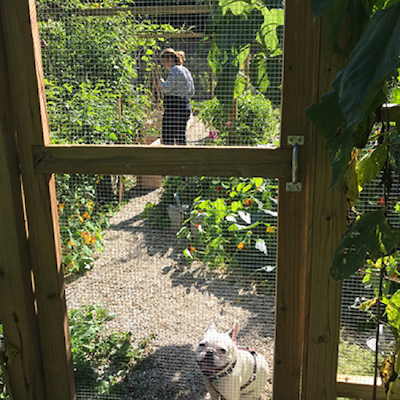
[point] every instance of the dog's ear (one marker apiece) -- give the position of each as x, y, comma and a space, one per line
212, 326
233, 332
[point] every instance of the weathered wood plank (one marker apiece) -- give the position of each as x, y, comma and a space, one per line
159, 10
20, 325
297, 93
326, 223
22, 44
163, 160
353, 390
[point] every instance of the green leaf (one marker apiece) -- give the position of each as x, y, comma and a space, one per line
187, 253
393, 309
245, 217
260, 245
329, 120
369, 237
371, 164
372, 61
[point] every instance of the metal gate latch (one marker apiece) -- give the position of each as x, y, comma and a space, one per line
295, 141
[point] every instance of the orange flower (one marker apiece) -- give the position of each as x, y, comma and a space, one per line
192, 248
94, 239
71, 243
86, 215
247, 203
381, 201
87, 237
240, 245
60, 207
196, 226
72, 263
270, 229
80, 218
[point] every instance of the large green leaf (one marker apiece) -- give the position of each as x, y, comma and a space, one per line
392, 309
369, 237
355, 13
372, 61
329, 120
371, 164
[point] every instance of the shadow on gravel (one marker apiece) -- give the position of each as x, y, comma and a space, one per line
170, 373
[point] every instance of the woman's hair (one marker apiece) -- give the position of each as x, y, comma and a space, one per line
177, 56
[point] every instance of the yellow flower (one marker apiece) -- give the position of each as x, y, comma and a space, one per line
240, 245
71, 242
80, 218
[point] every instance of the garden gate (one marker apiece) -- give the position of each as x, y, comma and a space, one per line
311, 221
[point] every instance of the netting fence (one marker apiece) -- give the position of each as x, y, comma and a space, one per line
150, 261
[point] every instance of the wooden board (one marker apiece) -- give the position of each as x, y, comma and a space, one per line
159, 10
326, 223
18, 314
26, 106
310, 224
163, 160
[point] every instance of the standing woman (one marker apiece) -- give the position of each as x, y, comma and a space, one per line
178, 89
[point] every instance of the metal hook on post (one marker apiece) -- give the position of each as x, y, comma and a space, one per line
294, 185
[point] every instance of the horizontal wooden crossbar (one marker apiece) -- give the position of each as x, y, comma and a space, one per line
358, 387
158, 10
163, 160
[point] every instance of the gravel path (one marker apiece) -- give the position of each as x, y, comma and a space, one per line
143, 278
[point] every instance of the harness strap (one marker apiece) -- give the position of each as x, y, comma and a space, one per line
227, 372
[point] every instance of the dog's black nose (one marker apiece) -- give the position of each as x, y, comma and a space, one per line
209, 354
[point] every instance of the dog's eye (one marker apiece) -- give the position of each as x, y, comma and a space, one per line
223, 351
201, 344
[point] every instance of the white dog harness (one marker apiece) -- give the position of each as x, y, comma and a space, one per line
229, 371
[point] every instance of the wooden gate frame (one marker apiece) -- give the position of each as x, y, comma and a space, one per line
311, 222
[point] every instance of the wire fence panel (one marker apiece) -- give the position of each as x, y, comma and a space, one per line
149, 260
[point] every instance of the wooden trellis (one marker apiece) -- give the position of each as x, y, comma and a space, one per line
311, 222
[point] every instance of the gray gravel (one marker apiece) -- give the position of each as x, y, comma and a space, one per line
143, 278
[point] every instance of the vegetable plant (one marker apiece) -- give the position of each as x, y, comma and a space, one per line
222, 231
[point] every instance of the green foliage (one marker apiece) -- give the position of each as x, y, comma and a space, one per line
364, 146
90, 78
257, 121
346, 114
102, 361
354, 360
223, 230
252, 29
82, 219
370, 237
89, 115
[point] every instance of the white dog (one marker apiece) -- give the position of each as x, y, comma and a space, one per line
230, 373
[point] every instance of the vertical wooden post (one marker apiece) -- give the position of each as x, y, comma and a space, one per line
311, 223
22, 62
326, 211
297, 93
20, 325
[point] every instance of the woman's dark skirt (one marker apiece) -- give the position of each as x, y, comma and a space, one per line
175, 118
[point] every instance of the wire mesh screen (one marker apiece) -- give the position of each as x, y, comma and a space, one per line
361, 320
150, 261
